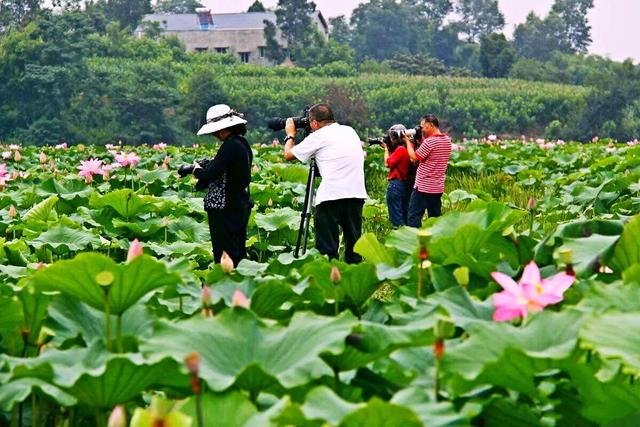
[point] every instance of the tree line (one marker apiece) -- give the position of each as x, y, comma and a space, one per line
79, 74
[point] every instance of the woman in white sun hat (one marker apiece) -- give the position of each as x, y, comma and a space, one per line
227, 177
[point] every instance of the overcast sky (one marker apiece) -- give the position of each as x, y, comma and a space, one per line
615, 23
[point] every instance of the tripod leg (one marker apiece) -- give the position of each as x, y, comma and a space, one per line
312, 174
306, 211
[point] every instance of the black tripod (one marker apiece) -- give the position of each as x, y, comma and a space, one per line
305, 216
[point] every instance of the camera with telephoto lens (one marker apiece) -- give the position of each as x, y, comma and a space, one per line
184, 170
301, 122
413, 133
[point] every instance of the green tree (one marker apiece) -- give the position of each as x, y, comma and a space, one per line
577, 28
496, 55
418, 64
127, 12
538, 38
293, 17
381, 29
17, 13
202, 90
480, 17
257, 6
273, 50
434, 10
339, 30
177, 6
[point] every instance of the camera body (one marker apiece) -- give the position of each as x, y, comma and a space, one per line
301, 122
414, 133
184, 170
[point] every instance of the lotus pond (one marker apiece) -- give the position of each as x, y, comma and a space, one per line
520, 306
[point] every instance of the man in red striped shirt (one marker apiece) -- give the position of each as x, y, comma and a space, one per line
432, 157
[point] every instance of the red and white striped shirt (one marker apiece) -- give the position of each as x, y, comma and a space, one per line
433, 156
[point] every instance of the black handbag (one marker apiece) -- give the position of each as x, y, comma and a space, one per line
216, 197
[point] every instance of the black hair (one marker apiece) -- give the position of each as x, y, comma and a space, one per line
321, 113
239, 129
431, 118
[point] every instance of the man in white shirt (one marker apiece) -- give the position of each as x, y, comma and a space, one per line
338, 153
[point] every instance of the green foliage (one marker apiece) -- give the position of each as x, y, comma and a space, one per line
496, 55
480, 18
177, 6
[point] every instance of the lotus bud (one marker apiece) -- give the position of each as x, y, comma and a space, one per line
270, 202
40, 265
165, 221
335, 275
118, 418
444, 328
255, 169
226, 262
51, 164
81, 147
43, 158
13, 212
135, 250
462, 276
531, 205
239, 299
206, 296
17, 157
192, 361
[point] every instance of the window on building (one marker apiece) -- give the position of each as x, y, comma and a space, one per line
201, 49
262, 50
221, 49
204, 26
244, 56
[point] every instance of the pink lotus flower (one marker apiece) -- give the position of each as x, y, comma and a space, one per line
196, 145
127, 159
239, 299
6, 154
530, 295
14, 147
43, 158
135, 250
456, 147
62, 146
492, 138
275, 142
159, 146
89, 168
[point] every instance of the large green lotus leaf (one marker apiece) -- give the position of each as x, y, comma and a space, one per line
357, 284
222, 410
62, 239
96, 377
521, 351
386, 272
180, 249
13, 271
372, 250
492, 217
588, 251
322, 403
69, 318
378, 413
404, 239
236, 347
249, 268
190, 230
627, 250
613, 403
150, 176
615, 297
19, 390
615, 336
504, 411
42, 211
67, 190
131, 281
125, 202
292, 173
462, 307
372, 341
278, 219
268, 298
123, 378
140, 228
17, 252
11, 320
34, 307
431, 413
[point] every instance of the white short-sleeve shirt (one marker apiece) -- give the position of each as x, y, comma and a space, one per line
340, 159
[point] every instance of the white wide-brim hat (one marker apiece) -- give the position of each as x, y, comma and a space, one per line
220, 117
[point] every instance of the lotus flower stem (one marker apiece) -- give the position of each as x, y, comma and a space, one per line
335, 299
34, 412
100, 422
119, 334
107, 318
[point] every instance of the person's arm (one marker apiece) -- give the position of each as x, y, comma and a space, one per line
216, 166
386, 155
410, 150
290, 130
304, 150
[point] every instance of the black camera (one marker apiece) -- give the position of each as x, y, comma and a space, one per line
302, 122
184, 170
381, 140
